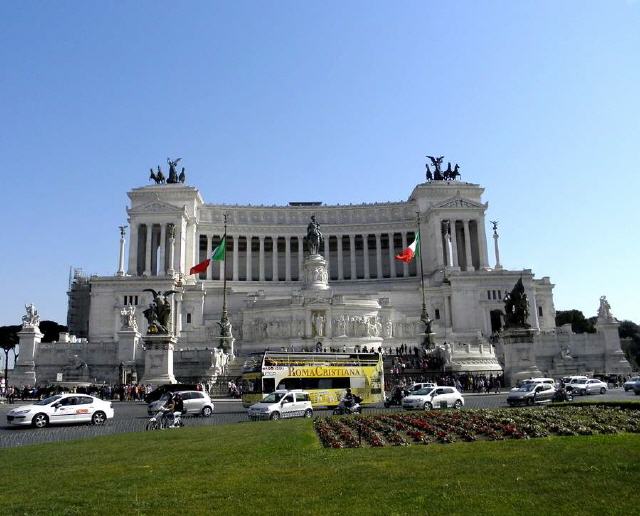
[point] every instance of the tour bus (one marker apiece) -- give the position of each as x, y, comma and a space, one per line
325, 376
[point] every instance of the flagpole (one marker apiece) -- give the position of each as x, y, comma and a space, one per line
225, 326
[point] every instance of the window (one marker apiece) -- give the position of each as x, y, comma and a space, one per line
489, 295
188, 318
197, 395
69, 401
303, 396
539, 311
84, 400
437, 313
288, 398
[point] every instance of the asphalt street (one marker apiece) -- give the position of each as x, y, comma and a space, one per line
132, 417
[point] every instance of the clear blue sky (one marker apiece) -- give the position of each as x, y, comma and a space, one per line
268, 102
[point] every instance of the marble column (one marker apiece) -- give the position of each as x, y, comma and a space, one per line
133, 250
249, 265
352, 256
496, 249
467, 245
439, 248
325, 250
378, 256
340, 259
405, 266
261, 258
162, 266
448, 246
482, 244
454, 242
222, 264
236, 251
274, 255
392, 260
287, 258
208, 274
365, 254
147, 260
172, 251
301, 257
121, 252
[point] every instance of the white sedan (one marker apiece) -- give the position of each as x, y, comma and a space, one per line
62, 408
433, 397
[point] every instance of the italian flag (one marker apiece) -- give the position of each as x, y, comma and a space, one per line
217, 256
413, 250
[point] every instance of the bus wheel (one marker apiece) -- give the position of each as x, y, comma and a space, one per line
275, 416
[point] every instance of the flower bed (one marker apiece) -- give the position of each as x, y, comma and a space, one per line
447, 426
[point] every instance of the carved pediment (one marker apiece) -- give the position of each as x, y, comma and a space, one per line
460, 202
156, 207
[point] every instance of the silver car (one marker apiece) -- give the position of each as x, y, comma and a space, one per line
531, 393
196, 403
591, 386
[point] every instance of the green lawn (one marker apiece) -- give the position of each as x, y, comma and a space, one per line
280, 468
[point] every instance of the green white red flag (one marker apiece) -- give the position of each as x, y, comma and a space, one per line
218, 255
413, 250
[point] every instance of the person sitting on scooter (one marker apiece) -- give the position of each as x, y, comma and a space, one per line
168, 409
178, 408
348, 398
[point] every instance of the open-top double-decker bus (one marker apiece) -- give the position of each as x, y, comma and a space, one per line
325, 376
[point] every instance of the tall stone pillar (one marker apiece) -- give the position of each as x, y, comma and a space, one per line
405, 266
121, 254
287, 258
249, 265
449, 247
133, 250
454, 242
378, 256
365, 254
24, 371
261, 259
439, 249
467, 245
223, 265
147, 258
495, 245
340, 258
274, 254
482, 244
172, 250
208, 274
392, 260
236, 250
325, 248
300, 257
162, 259
352, 256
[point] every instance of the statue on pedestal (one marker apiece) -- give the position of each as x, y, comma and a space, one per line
129, 321
173, 173
314, 236
604, 310
158, 315
516, 307
31, 318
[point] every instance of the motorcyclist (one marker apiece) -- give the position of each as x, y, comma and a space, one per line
348, 399
178, 409
168, 409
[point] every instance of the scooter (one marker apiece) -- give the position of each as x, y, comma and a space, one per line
562, 395
395, 399
346, 408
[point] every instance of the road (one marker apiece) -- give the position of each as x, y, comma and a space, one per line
132, 417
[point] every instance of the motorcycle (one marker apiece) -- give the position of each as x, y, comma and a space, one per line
562, 395
396, 398
346, 407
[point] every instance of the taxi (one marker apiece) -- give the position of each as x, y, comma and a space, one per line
62, 408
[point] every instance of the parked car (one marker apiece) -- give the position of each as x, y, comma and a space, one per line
423, 385
282, 404
196, 403
591, 386
629, 384
433, 397
531, 393
568, 380
62, 408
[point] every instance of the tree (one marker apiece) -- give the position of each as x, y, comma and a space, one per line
51, 330
8, 342
579, 324
630, 330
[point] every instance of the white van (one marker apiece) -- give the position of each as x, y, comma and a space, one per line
282, 404
571, 381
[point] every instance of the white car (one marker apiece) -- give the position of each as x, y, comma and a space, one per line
196, 403
417, 386
433, 397
591, 386
62, 408
281, 404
